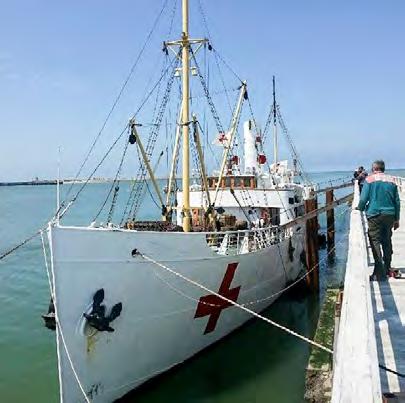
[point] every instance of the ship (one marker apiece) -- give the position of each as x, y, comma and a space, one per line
133, 298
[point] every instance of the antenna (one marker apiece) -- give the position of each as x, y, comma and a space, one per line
274, 101
58, 189
275, 138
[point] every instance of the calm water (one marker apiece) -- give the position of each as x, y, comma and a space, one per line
257, 363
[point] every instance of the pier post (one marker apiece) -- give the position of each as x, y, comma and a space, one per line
330, 226
311, 243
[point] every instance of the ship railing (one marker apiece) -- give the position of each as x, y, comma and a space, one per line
245, 241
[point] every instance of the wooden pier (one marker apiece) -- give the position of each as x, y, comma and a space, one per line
370, 345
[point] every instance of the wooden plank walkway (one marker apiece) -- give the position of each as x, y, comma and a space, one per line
372, 325
389, 315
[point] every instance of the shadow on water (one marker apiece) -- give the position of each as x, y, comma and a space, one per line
256, 363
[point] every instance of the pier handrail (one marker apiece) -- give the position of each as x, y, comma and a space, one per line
400, 182
356, 373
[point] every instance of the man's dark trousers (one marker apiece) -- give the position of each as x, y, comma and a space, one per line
380, 233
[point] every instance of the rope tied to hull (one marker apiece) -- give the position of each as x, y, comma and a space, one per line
58, 324
229, 301
26, 240
257, 301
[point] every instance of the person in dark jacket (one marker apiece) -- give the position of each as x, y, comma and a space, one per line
362, 177
360, 174
380, 200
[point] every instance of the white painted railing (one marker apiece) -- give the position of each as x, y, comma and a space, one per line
400, 182
356, 375
245, 241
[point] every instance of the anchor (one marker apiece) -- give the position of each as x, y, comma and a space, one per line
97, 317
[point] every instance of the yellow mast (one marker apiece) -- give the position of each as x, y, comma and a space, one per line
185, 119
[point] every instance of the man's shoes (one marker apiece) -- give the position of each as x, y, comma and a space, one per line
394, 273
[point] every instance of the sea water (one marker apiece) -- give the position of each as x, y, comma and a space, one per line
257, 363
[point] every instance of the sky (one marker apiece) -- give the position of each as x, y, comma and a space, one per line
340, 69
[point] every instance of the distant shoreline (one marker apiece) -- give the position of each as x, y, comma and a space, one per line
53, 182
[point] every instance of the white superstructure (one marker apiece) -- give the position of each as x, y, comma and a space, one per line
250, 151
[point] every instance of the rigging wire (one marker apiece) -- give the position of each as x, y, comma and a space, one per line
113, 185
291, 144
208, 143
204, 18
121, 91
213, 108
173, 65
68, 205
267, 163
226, 64
142, 104
207, 95
134, 198
63, 212
268, 123
174, 9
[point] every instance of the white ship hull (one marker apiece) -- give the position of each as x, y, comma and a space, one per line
163, 321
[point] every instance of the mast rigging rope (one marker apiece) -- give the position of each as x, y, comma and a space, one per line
134, 198
121, 91
113, 185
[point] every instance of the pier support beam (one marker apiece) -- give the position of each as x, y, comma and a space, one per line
311, 243
330, 226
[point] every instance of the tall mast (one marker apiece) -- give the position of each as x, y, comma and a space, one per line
185, 118
185, 44
275, 138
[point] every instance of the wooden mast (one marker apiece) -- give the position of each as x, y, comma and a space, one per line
185, 119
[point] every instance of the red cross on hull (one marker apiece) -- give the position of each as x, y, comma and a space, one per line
213, 305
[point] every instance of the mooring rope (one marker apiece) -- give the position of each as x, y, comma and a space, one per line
229, 301
391, 370
58, 322
14, 248
69, 357
59, 214
47, 266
